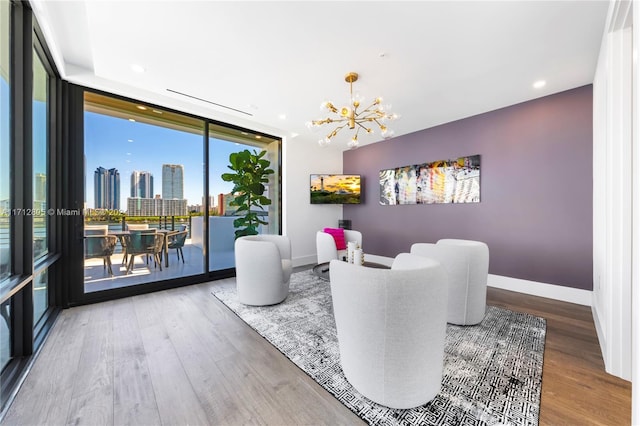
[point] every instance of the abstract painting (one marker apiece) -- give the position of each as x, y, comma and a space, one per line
444, 181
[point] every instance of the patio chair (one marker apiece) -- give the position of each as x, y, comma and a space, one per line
140, 243
176, 241
91, 230
100, 246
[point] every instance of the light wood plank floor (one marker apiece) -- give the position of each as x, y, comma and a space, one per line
180, 357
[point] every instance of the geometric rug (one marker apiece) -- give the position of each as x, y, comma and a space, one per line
492, 371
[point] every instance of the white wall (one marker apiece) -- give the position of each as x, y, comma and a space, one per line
613, 192
635, 385
303, 156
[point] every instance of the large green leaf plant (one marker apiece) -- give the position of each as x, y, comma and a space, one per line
251, 173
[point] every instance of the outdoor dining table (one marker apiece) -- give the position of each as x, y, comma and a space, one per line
167, 233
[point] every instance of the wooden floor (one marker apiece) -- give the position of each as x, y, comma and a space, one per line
180, 357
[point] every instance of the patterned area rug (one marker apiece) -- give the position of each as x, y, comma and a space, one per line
492, 371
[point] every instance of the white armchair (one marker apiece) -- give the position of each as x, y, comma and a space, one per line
263, 269
326, 245
391, 328
467, 266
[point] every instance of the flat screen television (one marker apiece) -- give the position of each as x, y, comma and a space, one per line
335, 189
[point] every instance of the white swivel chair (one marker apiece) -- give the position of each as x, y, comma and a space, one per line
467, 266
326, 245
263, 269
391, 328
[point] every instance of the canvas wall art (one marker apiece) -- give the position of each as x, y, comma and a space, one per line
444, 181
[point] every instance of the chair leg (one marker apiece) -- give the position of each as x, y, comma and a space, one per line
108, 260
181, 254
130, 265
157, 256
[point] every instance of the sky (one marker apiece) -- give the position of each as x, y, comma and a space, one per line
112, 142
39, 139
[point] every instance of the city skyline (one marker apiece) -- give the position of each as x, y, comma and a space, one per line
133, 146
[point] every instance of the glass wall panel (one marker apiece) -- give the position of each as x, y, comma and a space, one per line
5, 143
40, 298
5, 333
144, 186
40, 150
222, 142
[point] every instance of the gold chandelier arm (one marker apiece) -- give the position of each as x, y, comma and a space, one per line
365, 129
336, 130
328, 120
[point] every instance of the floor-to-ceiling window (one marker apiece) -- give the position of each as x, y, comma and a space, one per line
40, 212
5, 177
144, 194
29, 244
223, 141
143, 187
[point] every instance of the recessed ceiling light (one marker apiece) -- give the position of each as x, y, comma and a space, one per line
244, 133
539, 84
156, 111
137, 68
131, 119
144, 108
258, 137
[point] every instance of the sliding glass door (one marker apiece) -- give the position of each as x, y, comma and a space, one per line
223, 141
148, 216
143, 190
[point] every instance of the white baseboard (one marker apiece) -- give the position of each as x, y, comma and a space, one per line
534, 288
597, 321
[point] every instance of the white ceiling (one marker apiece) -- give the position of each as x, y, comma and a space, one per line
434, 61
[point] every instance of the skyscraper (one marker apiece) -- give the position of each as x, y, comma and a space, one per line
40, 193
106, 186
141, 184
172, 181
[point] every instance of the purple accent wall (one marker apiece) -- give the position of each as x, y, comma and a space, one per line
535, 210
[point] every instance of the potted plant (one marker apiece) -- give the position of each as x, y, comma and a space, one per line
251, 172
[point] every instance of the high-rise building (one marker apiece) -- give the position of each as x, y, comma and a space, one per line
172, 181
156, 207
106, 186
40, 190
141, 184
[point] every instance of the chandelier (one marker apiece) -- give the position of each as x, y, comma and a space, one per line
353, 118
